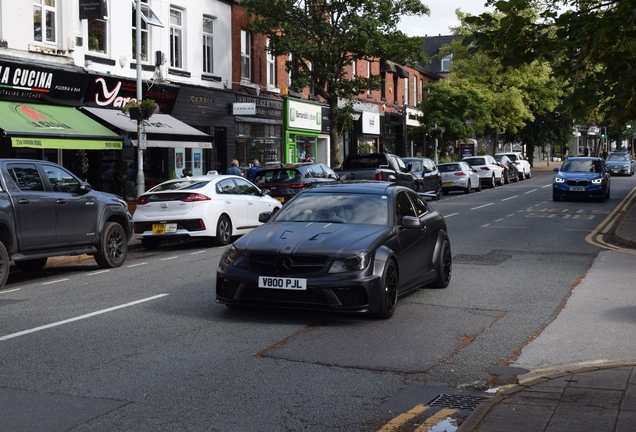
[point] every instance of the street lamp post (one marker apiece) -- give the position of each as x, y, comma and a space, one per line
141, 137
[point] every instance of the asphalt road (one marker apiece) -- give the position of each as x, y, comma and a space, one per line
145, 347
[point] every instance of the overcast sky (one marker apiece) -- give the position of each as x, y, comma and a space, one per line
442, 17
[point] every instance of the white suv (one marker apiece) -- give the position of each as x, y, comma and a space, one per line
523, 166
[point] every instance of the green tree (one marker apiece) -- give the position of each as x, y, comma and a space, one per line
589, 44
512, 98
325, 36
450, 110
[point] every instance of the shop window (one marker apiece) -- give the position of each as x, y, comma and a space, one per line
246, 58
176, 38
98, 32
44, 17
208, 45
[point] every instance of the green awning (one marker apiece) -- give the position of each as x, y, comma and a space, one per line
54, 127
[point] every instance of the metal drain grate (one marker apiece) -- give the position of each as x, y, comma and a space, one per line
460, 402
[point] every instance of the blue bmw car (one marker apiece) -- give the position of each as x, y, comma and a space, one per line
582, 177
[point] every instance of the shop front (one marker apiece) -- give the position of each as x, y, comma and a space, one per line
304, 132
259, 130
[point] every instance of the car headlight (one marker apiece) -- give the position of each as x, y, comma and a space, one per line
558, 180
356, 262
597, 181
231, 257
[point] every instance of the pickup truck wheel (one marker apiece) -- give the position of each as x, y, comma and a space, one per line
114, 246
31, 265
4, 265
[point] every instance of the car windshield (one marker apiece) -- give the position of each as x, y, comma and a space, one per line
581, 165
276, 176
416, 164
449, 168
184, 184
618, 157
336, 208
501, 159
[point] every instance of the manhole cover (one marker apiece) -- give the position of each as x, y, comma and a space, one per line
460, 402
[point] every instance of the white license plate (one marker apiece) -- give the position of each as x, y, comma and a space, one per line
282, 283
577, 189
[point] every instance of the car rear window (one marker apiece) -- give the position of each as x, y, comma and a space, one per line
276, 176
449, 168
181, 185
475, 162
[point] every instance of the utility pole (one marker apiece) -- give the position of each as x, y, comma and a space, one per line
141, 136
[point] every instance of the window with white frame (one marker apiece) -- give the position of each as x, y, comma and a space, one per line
368, 76
246, 55
208, 44
176, 38
44, 21
414, 90
143, 49
406, 90
98, 32
271, 68
354, 70
446, 63
421, 90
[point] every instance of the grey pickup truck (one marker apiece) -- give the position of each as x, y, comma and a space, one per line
45, 211
377, 166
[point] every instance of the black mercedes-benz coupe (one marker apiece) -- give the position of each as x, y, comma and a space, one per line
350, 247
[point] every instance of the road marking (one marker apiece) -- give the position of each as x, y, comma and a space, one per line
596, 236
55, 281
55, 324
506, 199
485, 226
499, 220
533, 190
8, 291
400, 420
137, 265
543, 187
97, 272
199, 252
169, 258
434, 419
485, 205
452, 214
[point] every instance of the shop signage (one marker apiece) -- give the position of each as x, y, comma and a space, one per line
91, 9
370, 123
413, 117
265, 107
111, 92
28, 83
304, 116
325, 120
244, 108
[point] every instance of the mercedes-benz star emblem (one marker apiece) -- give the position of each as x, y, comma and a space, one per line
164, 205
284, 265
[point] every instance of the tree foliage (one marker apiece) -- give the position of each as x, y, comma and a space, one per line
326, 36
588, 43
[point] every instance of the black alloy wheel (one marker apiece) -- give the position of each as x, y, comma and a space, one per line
223, 231
444, 267
114, 246
4, 264
389, 294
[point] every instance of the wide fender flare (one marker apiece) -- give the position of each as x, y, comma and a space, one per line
382, 255
441, 236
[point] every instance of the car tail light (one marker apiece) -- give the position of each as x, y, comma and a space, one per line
195, 197
485, 168
460, 173
299, 185
378, 175
142, 200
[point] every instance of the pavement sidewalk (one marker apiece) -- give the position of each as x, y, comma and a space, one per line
594, 396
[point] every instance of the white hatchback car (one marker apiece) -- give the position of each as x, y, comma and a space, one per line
523, 166
489, 170
458, 176
215, 206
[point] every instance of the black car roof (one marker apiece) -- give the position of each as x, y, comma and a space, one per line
360, 186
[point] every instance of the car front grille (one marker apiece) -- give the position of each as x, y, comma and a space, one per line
577, 182
287, 265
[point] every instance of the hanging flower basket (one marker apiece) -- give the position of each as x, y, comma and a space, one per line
140, 111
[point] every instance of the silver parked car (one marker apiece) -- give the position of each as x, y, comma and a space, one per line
458, 176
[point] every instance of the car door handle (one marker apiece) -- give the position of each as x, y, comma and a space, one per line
24, 201
250, 203
61, 201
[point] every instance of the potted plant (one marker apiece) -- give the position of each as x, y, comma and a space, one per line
140, 111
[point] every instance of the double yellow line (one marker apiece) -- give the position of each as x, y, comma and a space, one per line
425, 426
596, 236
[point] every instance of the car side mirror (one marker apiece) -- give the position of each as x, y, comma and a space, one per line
410, 222
556, 169
85, 187
265, 192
